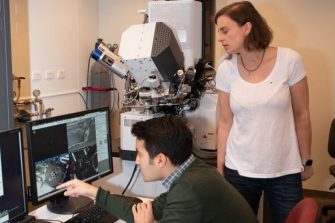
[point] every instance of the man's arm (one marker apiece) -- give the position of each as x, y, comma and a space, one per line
118, 205
180, 204
76, 188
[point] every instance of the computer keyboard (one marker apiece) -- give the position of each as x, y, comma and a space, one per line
92, 214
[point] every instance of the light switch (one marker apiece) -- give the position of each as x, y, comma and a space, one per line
36, 75
61, 74
50, 74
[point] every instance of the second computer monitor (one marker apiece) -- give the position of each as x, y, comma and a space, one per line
13, 202
65, 147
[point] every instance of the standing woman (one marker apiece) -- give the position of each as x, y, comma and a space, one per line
264, 129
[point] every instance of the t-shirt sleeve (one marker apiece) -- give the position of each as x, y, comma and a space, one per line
297, 69
223, 76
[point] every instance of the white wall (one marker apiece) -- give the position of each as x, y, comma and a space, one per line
305, 25
20, 45
61, 35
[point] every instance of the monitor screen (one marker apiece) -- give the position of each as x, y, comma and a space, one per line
65, 147
13, 203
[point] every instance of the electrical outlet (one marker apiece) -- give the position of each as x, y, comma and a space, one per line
50, 74
36, 75
61, 74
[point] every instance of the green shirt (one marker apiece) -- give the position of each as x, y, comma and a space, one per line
200, 194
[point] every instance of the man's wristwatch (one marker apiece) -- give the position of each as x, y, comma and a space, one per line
308, 162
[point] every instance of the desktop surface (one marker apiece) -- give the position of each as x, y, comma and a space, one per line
43, 214
93, 214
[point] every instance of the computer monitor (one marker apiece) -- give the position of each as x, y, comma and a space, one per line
65, 147
13, 202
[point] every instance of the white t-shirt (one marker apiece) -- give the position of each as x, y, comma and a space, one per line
262, 142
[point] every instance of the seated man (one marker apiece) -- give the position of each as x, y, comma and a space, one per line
196, 192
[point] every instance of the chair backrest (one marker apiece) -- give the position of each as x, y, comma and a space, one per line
331, 140
306, 211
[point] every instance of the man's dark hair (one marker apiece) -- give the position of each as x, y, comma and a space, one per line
167, 135
242, 12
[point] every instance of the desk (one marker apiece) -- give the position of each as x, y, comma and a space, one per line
44, 213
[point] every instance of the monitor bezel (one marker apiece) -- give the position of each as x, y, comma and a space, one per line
23, 173
33, 187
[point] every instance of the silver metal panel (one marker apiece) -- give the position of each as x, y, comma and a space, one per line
6, 113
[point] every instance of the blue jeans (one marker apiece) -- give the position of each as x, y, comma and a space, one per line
282, 193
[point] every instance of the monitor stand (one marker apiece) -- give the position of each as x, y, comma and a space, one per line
68, 205
27, 219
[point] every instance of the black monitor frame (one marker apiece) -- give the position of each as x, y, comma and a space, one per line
21, 213
58, 203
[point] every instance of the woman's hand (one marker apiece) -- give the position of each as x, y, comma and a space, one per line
307, 173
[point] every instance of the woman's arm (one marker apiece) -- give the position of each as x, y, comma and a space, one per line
300, 104
224, 126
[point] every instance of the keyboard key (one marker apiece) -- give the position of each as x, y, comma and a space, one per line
92, 214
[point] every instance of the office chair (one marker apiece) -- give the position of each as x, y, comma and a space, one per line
306, 211
331, 151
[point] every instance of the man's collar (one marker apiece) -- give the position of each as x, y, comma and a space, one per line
168, 181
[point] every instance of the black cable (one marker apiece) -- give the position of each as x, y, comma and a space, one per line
118, 98
86, 106
113, 93
87, 77
130, 180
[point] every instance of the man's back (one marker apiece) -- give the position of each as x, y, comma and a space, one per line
201, 194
